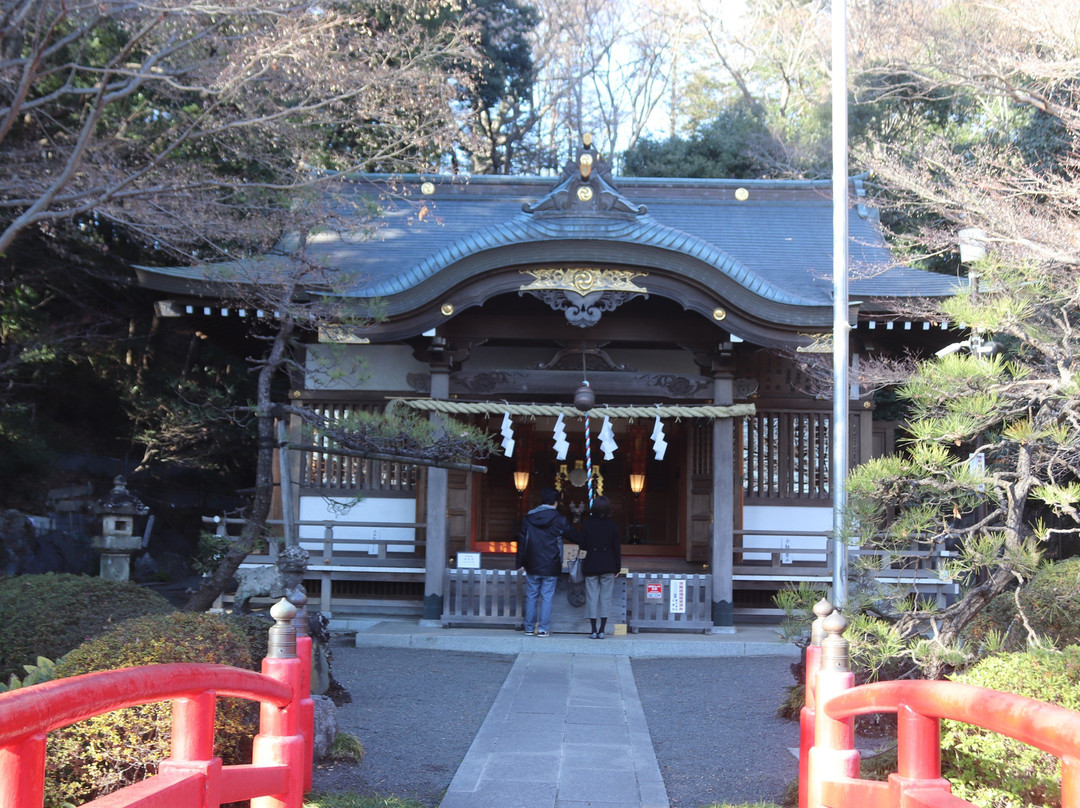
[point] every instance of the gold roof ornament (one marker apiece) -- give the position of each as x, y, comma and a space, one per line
583, 293
584, 280
819, 343
585, 161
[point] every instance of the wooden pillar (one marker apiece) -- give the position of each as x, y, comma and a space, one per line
862, 406
296, 459
723, 506
436, 532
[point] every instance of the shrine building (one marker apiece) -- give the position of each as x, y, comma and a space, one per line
681, 302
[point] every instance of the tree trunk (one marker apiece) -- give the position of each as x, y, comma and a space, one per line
255, 526
950, 623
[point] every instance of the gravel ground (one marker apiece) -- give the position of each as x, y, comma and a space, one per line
714, 727
416, 712
712, 721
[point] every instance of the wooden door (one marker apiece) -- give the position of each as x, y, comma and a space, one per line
699, 491
458, 511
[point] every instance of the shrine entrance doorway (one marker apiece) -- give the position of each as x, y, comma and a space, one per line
653, 519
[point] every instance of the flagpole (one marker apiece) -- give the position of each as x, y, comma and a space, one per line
841, 394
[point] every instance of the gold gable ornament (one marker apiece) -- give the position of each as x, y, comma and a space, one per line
583, 293
819, 343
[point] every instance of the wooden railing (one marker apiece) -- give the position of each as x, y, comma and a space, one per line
333, 548
191, 777
483, 597
337, 557
829, 762
917, 568
650, 602
765, 561
497, 598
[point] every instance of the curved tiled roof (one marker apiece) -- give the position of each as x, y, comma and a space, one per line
772, 239
524, 229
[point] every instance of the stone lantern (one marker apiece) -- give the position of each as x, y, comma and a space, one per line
118, 539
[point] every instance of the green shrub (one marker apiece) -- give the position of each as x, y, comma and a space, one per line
879, 764
346, 748
44, 670
1051, 604
791, 707
48, 615
998, 772
103, 754
256, 627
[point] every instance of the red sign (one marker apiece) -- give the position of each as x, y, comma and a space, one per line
654, 591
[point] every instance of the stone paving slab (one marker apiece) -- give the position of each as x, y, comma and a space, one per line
566, 731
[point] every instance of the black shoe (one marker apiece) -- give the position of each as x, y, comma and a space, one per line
599, 635
593, 636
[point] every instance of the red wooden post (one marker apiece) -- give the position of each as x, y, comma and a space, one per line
192, 748
193, 727
279, 742
307, 709
918, 745
22, 772
822, 609
833, 756
918, 755
1070, 782
307, 705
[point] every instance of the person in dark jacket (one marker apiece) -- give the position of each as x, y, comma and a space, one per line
540, 554
601, 562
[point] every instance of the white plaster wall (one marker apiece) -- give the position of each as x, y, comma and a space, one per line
777, 519
360, 367
373, 509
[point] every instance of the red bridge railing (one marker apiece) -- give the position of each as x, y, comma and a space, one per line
829, 762
191, 777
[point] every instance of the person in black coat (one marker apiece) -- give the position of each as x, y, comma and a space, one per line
540, 554
601, 562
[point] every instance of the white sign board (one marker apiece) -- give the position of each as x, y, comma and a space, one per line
677, 604
977, 465
468, 561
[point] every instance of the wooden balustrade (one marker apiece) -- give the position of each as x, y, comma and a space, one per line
829, 762
191, 777
764, 559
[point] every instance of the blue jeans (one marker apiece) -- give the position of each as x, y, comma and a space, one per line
542, 587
